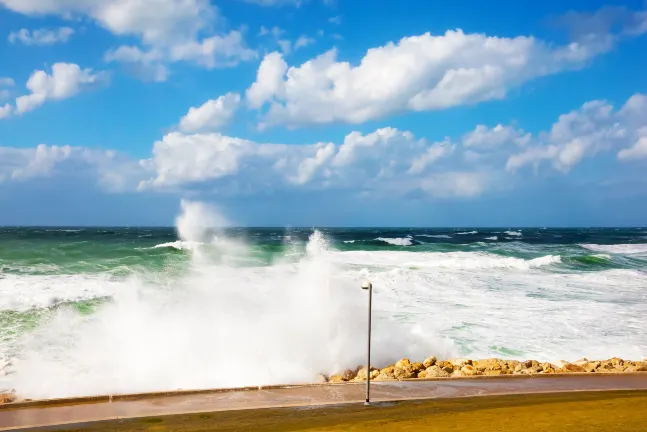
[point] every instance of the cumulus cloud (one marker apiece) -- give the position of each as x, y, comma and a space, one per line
486, 138
174, 30
212, 115
41, 36
592, 129
66, 80
417, 73
387, 159
113, 171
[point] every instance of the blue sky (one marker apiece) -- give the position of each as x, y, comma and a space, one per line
324, 112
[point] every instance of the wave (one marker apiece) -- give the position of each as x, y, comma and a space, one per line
180, 245
449, 260
493, 238
400, 241
349, 241
619, 249
513, 233
440, 236
467, 233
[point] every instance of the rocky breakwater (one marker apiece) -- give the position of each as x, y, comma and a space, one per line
462, 367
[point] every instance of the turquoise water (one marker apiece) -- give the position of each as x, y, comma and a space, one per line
121, 307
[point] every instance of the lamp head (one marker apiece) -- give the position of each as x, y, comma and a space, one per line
367, 285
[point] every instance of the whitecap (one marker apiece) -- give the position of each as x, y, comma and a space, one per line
467, 233
493, 238
513, 233
627, 249
440, 236
406, 241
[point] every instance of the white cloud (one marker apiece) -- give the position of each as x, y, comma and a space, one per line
114, 172
5, 110
65, 81
302, 42
335, 20
386, 160
173, 29
592, 129
296, 3
269, 80
457, 183
212, 115
6, 82
41, 36
5, 93
636, 151
418, 73
148, 65
484, 138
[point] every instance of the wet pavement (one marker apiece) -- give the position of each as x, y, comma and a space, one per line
39, 414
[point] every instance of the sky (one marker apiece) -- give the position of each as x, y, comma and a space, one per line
324, 112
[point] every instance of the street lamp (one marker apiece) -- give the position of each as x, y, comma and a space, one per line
368, 286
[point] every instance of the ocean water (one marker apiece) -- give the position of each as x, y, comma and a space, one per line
112, 310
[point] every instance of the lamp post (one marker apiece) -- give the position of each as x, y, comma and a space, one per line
368, 286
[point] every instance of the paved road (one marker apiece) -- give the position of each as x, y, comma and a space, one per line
142, 406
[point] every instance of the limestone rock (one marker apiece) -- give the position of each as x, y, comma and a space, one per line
591, 366
402, 373
336, 378
460, 362
469, 370
433, 372
386, 374
417, 367
581, 362
361, 374
348, 375
403, 364
572, 367
489, 364
7, 397
429, 361
559, 364
493, 372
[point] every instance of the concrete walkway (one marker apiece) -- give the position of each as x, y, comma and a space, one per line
46, 413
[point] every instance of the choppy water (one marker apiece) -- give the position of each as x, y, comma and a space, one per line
96, 310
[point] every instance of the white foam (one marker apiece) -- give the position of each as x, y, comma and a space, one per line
443, 236
451, 260
493, 238
22, 293
180, 245
513, 233
467, 233
406, 241
349, 241
627, 249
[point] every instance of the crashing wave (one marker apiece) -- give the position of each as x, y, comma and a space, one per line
467, 233
399, 241
627, 249
513, 233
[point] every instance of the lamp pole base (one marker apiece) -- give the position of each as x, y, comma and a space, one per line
367, 403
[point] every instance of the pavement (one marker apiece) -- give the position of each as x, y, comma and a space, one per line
82, 410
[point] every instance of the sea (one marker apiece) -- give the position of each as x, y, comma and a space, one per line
109, 310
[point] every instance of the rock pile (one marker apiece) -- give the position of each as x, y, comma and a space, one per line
461, 367
6, 397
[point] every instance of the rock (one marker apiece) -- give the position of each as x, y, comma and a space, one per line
417, 367
336, 378
403, 364
490, 364
559, 364
459, 362
433, 372
572, 367
469, 370
591, 366
641, 366
518, 368
361, 374
348, 375
458, 373
403, 373
581, 362
615, 361
429, 361
7, 397
386, 374
493, 372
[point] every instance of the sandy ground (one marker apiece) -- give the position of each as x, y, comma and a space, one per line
588, 403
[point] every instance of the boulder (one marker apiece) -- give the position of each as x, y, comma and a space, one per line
429, 361
616, 361
459, 362
417, 367
489, 364
591, 366
469, 370
386, 374
571, 367
403, 364
493, 372
581, 362
7, 397
348, 375
336, 378
641, 366
458, 373
361, 374
559, 364
433, 372
403, 373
